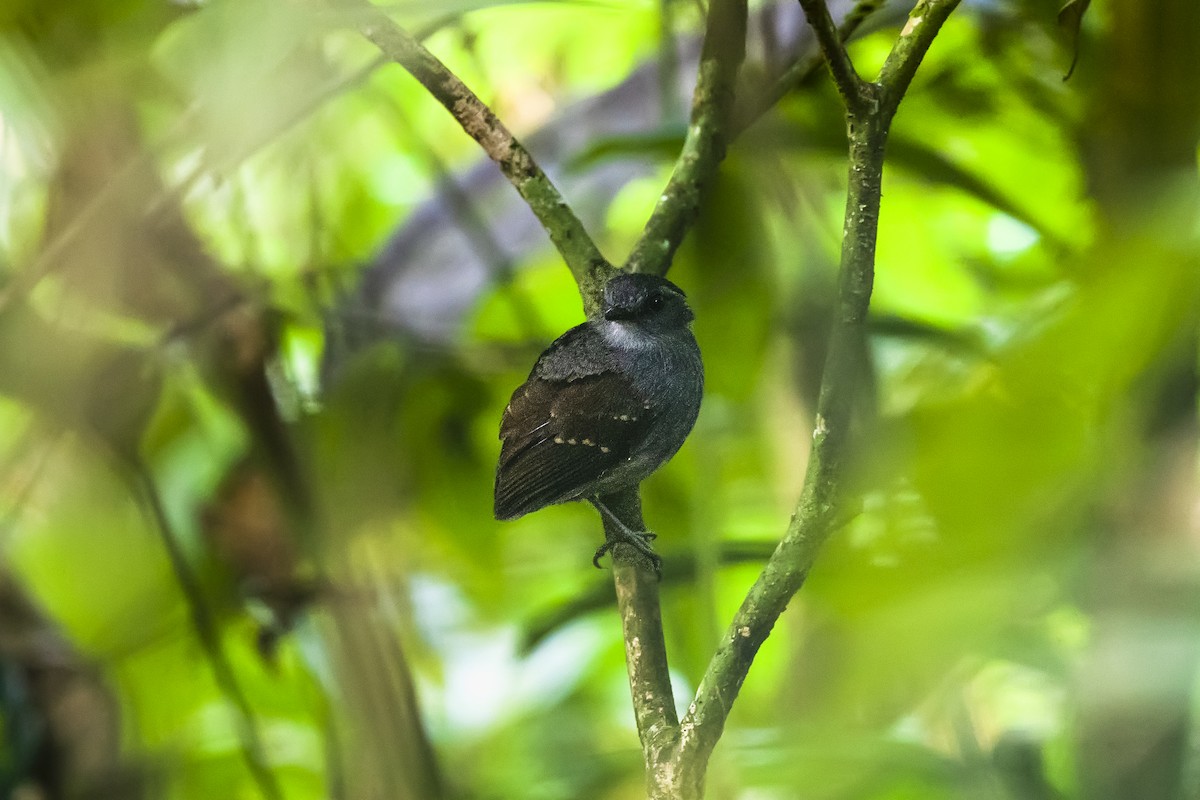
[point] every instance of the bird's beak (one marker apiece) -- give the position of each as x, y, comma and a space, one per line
616, 313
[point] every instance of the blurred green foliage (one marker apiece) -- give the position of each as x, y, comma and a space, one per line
190, 195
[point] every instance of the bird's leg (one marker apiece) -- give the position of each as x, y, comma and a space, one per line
620, 533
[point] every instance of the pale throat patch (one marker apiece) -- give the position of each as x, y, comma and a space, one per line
626, 335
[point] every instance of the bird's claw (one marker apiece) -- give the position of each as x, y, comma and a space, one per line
638, 540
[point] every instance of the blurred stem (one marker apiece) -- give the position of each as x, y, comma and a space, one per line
583, 258
704, 146
668, 62
1134, 696
207, 632
388, 753
478, 233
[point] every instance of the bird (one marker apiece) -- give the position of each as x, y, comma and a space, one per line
605, 405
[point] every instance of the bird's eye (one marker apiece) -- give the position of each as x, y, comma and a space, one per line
656, 302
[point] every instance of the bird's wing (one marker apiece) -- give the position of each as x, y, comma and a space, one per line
560, 437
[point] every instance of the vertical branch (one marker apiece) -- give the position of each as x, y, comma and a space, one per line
637, 589
645, 647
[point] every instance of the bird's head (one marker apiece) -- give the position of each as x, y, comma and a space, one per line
648, 301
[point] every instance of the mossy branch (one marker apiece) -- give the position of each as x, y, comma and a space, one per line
583, 258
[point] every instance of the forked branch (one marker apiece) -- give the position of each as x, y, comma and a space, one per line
677, 754
822, 502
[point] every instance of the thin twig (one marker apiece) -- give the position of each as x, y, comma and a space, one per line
845, 77
583, 258
704, 146
205, 627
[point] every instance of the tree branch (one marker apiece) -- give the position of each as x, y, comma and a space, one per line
704, 146
645, 647
918, 34
845, 77
821, 504
583, 258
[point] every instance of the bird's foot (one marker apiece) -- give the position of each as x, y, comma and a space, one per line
639, 541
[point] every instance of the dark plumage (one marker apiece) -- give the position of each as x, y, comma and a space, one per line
605, 405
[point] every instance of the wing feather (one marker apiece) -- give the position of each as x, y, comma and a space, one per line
560, 437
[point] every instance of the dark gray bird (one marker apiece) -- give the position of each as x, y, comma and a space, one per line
608, 403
